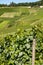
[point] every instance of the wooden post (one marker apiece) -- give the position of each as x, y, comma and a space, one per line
33, 52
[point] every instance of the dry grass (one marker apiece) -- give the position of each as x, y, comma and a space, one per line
9, 14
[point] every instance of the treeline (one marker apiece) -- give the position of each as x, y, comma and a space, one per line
12, 4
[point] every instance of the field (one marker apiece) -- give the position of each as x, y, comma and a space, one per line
15, 18
19, 26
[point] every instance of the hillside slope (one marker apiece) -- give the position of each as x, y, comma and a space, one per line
23, 18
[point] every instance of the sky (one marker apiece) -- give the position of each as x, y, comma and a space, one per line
16, 1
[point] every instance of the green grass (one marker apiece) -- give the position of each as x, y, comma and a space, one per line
23, 20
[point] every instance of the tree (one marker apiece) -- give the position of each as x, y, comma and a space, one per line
12, 4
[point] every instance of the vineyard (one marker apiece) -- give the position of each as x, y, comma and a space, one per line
13, 18
16, 49
19, 27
